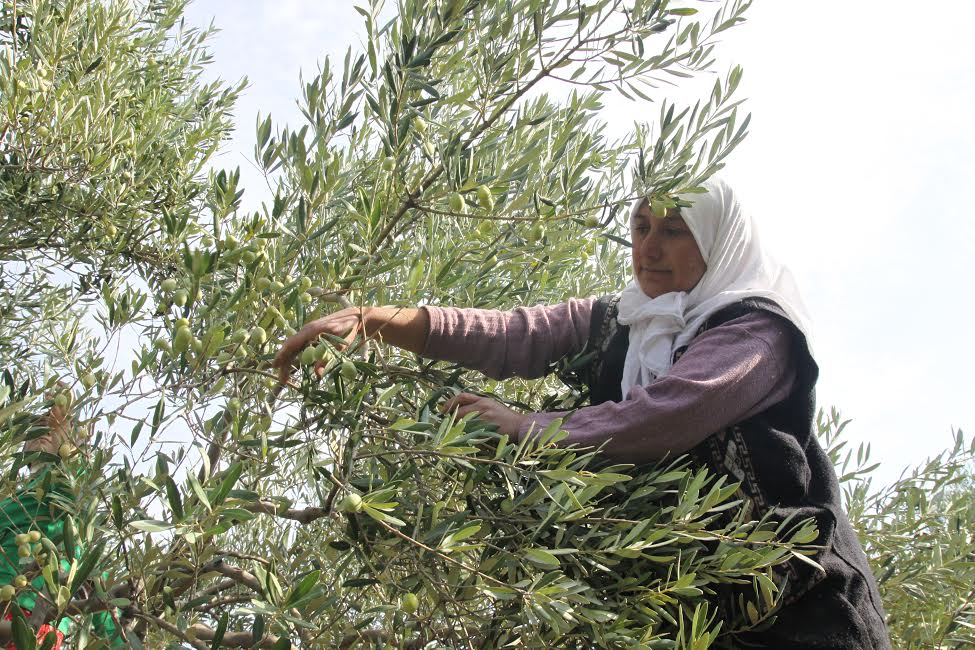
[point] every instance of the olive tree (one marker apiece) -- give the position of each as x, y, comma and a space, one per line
918, 535
458, 158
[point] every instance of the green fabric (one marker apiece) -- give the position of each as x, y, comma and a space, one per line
27, 512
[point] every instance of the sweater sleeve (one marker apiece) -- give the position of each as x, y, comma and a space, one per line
727, 374
501, 344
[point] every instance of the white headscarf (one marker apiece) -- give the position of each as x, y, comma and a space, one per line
737, 268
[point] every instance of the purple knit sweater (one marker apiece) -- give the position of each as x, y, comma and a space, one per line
728, 374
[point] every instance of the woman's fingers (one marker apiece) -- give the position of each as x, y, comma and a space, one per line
493, 412
474, 407
296, 343
461, 399
345, 323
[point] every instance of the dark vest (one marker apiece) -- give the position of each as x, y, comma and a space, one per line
783, 473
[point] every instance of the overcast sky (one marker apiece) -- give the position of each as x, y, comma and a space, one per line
859, 166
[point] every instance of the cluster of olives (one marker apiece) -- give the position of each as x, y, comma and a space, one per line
29, 545
178, 295
485, 199
323, 354
234, 252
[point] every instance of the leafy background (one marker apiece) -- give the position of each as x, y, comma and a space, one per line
214, 506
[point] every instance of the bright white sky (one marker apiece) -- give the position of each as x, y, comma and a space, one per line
861, 151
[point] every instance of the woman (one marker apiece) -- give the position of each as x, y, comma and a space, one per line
708, 346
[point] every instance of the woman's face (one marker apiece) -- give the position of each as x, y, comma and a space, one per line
665, 255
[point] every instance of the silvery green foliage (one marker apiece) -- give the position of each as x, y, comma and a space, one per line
918, 535
459, 158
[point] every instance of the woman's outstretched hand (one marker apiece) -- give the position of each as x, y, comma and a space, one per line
403, 327
345, 324
508, 421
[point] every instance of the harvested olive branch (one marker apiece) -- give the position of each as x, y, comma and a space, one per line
428, 549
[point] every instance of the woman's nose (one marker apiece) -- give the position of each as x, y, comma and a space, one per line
650, 246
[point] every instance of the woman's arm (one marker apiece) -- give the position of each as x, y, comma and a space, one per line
403, 327
521, 342
727, 374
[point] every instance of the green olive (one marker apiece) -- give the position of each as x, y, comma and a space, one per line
457, 203
351, 503
410, 603
309, 356
485, 197
182, 340
536, 234
258, 336
323, 352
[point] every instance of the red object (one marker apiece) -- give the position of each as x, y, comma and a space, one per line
41, 633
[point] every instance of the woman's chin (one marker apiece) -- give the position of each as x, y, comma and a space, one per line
652, 289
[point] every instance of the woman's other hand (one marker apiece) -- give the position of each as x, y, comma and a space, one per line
508, 421
345, 324
58, 422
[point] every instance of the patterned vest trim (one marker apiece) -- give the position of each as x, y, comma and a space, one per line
783, 474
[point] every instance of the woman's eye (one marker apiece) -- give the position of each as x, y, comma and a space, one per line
643, 229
